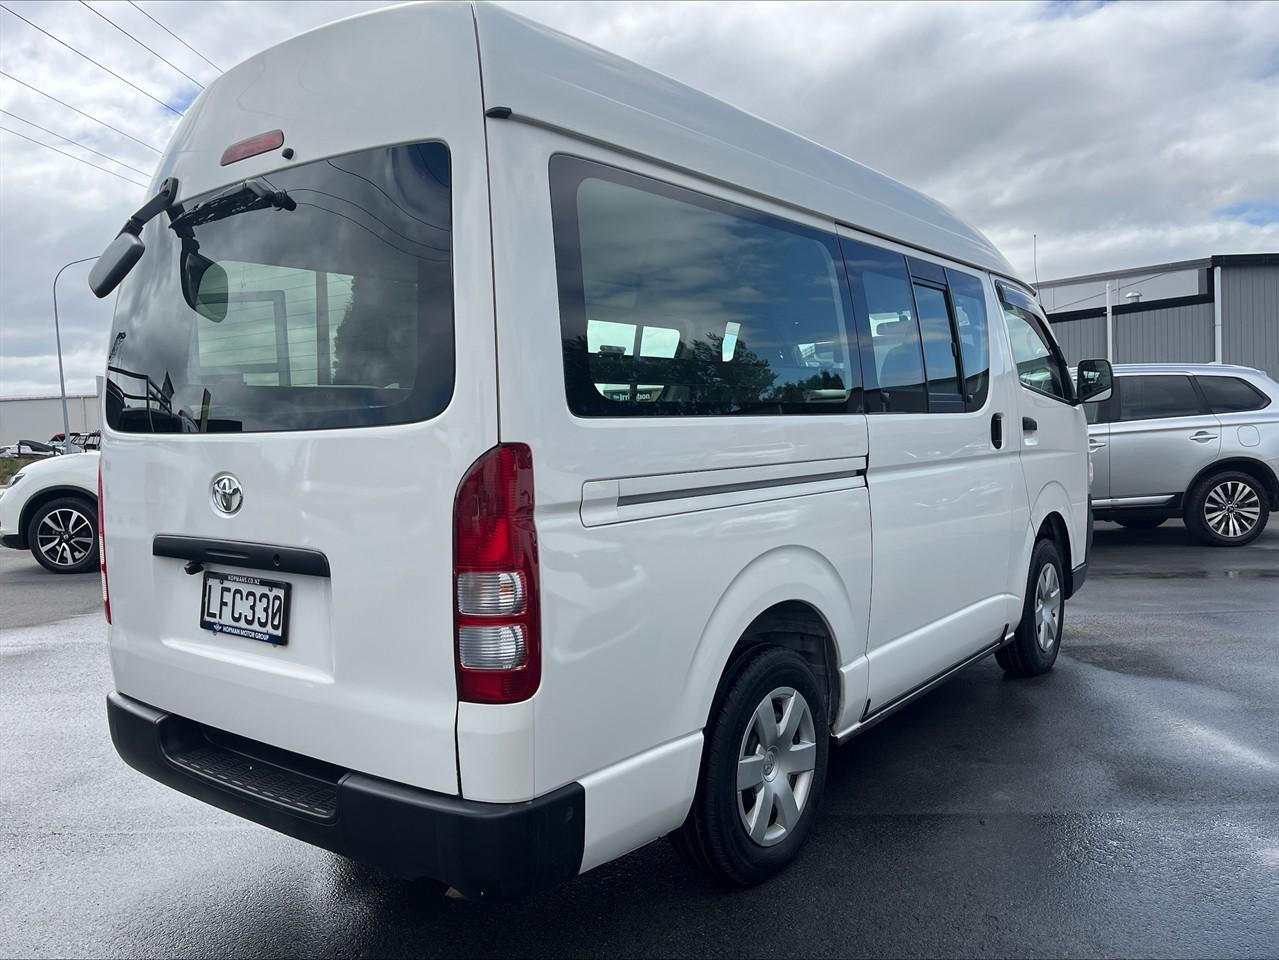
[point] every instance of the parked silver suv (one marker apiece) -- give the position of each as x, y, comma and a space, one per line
1200, 441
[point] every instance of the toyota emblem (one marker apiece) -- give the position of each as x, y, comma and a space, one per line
227, 494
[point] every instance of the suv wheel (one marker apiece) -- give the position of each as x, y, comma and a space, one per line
1227, 509
1038, 639
63, 536
763, 770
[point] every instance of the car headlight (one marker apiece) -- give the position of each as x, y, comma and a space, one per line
13, 481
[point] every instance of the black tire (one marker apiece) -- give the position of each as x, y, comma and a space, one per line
714, 837
1141, 523
1026, 656
81, 517
1201, 518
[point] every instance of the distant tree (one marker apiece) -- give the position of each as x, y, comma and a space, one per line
376, 343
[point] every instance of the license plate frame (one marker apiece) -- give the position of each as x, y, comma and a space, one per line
211, 620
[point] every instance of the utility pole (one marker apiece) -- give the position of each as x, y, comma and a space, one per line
57, 333
1110, 327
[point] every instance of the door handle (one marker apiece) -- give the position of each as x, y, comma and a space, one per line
1095, 444
1203, 436
997, 431
1029, 424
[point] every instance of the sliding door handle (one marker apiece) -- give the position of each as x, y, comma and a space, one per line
997, 431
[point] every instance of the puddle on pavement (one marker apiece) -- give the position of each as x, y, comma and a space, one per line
1259, 574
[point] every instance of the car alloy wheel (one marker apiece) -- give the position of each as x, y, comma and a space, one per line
65, 537
1231, 509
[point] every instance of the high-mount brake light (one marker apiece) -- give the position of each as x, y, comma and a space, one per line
495, 579
251, 147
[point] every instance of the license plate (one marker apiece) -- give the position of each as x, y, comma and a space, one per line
245, 606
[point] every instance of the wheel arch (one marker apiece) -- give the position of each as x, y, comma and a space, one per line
1257, 469
790, 597
1051, 515
47, 495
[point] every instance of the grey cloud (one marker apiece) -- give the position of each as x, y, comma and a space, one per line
1116, 133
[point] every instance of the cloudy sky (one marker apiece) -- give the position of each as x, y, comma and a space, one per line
1120, 133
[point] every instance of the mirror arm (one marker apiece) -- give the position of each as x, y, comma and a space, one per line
163, 200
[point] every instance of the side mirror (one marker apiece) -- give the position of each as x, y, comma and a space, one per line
1095, 381
115, 263
204, 286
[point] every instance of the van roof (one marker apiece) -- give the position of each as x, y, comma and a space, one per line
553, 80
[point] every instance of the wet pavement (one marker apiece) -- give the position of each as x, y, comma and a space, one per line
1126, 804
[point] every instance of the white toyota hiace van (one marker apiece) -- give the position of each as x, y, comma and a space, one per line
514, 456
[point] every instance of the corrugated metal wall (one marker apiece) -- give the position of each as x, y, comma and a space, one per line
1250, 327
1250, 317
1081, 339
1178, 335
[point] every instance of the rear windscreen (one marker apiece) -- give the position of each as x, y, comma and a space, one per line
335, 313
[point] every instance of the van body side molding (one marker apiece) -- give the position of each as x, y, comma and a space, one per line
639, 498
238, 553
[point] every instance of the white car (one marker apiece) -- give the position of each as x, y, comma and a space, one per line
491, 470
51, 508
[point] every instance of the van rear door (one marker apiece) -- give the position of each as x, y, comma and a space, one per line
295, 389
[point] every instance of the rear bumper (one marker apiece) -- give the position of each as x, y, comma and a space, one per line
13, 541
481, 849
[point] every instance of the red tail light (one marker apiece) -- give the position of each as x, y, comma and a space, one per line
497, 638
102, 547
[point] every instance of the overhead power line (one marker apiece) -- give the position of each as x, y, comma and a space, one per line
73, 157
77, 143
142, 45
85, 56
175, 36
50, 96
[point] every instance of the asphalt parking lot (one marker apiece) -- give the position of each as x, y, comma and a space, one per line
1126, 804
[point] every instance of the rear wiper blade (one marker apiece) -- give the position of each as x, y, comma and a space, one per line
249, 195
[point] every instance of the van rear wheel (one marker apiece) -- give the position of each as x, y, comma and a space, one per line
763, 770
1037, 641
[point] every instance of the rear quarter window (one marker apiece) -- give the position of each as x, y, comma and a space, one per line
1231, 395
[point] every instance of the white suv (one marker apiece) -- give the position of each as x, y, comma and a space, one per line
1199, 441
51, 508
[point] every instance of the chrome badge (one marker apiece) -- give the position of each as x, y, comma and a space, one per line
227, 494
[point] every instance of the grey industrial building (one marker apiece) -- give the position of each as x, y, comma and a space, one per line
1222, 309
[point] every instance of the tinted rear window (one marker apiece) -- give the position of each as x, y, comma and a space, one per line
1156, 398
1231, 395
338, 313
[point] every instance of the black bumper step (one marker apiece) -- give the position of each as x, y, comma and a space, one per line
482, 849
309, 797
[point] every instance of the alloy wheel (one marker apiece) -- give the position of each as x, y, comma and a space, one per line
1231, 509
64, 537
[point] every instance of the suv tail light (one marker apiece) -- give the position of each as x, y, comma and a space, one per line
102, 548
496, 611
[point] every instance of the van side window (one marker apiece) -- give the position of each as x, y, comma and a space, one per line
673, 303
968, 297
1039, 362
892, 352
940, 360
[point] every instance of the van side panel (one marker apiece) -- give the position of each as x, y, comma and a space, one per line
650, 569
